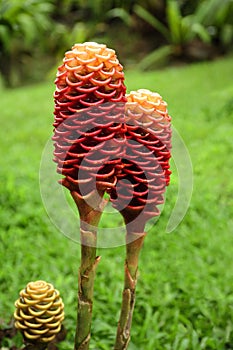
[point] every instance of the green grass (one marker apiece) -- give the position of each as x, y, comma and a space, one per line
185, 286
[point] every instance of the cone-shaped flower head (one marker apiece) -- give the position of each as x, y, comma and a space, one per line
145, 171
89, 111
39, 312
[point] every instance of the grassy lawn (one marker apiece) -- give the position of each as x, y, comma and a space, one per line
185, 286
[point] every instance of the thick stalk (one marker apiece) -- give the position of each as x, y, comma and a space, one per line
89, 219
133, 248
87, 269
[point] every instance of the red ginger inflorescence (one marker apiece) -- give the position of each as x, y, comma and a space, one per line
145, 171
106, 141
89, 112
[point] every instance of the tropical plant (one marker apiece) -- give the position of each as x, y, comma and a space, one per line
178, 32
109, 143
23, 24
217, 16
79, 21
188, 30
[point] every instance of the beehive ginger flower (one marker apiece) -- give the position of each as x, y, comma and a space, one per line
89, 111
146, 170
39, 312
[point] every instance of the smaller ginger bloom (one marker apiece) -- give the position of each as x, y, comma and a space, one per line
39, 313
145, 169
148, 111
142, 184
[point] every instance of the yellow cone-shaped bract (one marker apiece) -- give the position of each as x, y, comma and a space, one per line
39, 312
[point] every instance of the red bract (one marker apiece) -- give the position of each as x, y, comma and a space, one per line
89, 112
145, 167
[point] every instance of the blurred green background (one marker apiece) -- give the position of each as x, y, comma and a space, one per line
183, 50
35, 33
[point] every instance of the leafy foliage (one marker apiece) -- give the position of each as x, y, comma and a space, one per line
194, 31
23, 25
210, 21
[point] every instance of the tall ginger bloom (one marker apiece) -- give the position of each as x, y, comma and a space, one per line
89, 111
89, 114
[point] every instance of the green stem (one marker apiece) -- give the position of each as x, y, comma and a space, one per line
89, 219
133, 248
87, 270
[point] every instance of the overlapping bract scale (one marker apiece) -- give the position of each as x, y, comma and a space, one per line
39, 312
88, 148
89, 76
